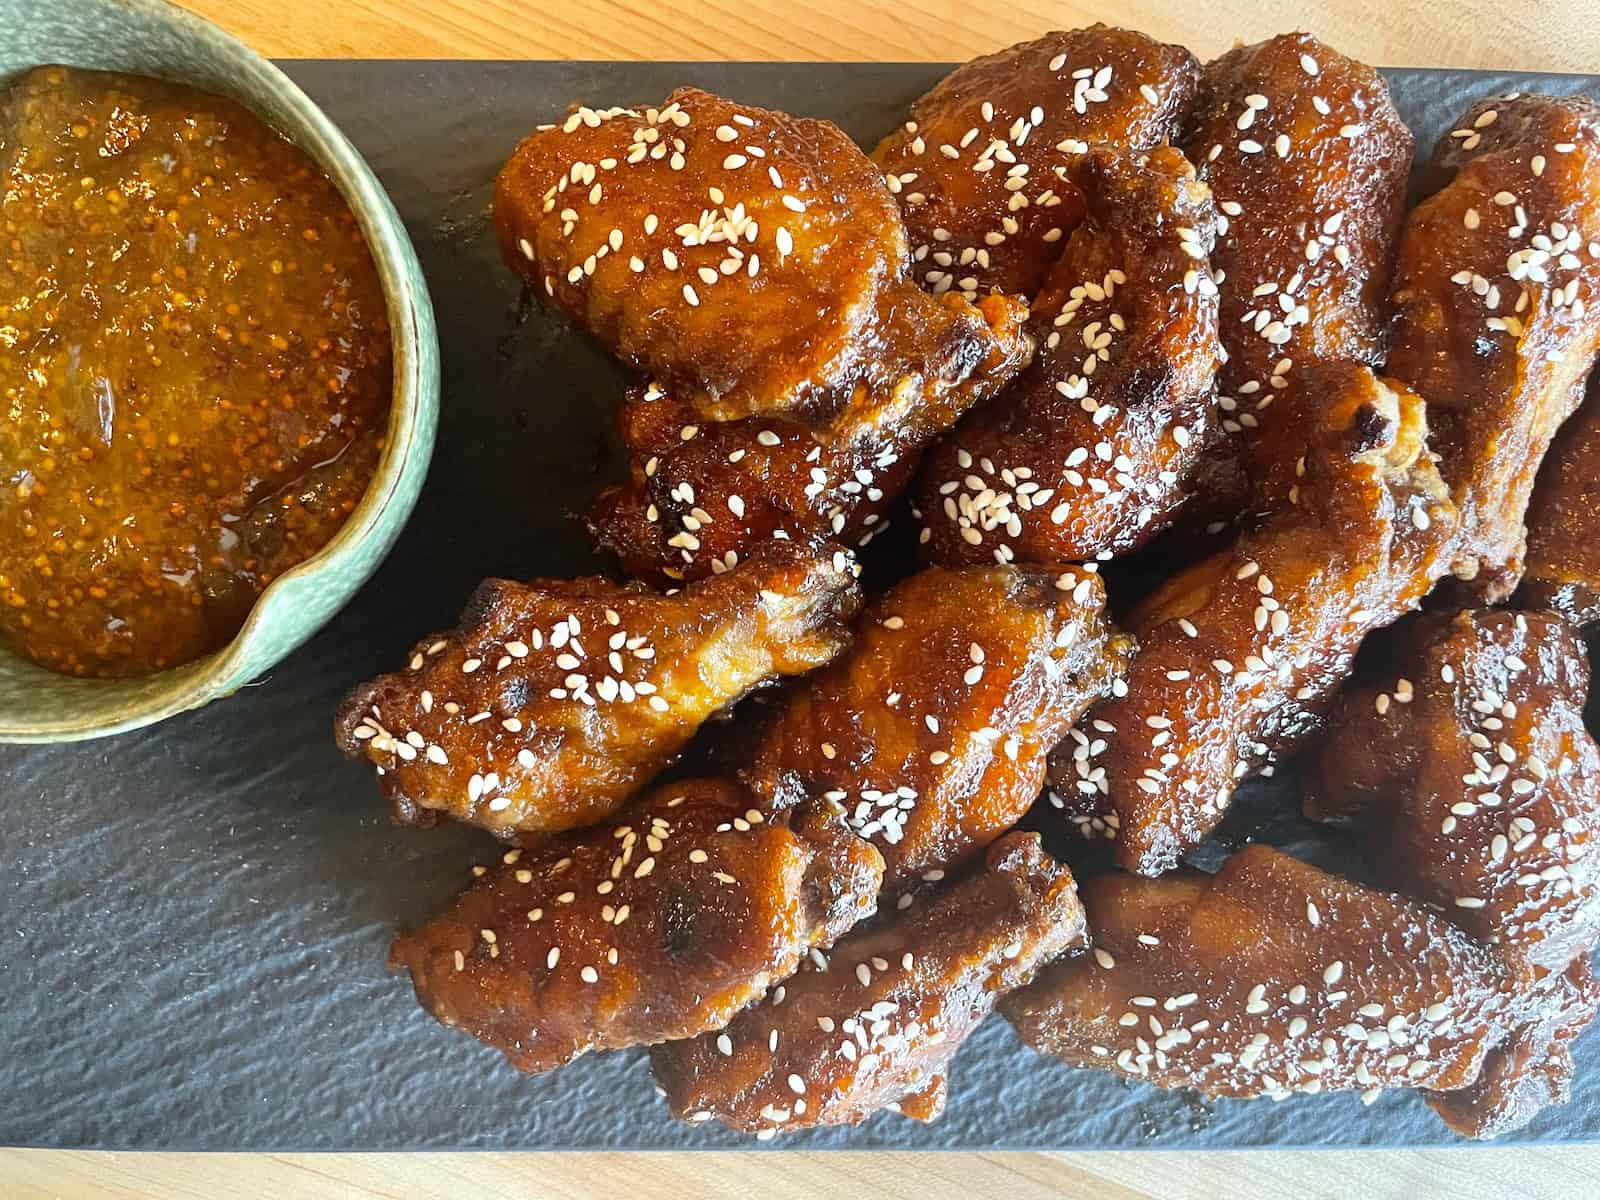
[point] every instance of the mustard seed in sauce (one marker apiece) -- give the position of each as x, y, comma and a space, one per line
194, 368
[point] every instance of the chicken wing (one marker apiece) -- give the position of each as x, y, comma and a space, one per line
1090, 453
982, 167
878, 1025
1531, 1069
1469, 767
1308, 160
754, 266
1240, 655
1564, 521
704, 494
554, 701
1497, 297
1268, 978
932, 732
664, 926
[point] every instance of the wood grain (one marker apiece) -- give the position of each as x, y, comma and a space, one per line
1533, 1174
1551, 35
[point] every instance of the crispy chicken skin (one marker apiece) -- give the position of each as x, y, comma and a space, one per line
661, 927
878, 1026
982, 168
932, 732
1241, 655
554, 701
1468, 765
1563, 571
1268, 978
703, 494
1308, 160
754, 266
1497, 308
1091, 451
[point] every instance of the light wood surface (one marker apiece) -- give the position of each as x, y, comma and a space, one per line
1555, 35
1549, 35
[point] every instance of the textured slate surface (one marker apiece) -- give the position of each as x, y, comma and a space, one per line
193, 919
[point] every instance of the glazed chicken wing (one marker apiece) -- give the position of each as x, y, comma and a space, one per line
1268, 978
554, 701
1497, 296
932, 732
663, 926
754, 266
1563, 561
1240, 655
1531, 1068
1308, 160
704, 494
982, 167
1090, 453
876, 1024
1469, 767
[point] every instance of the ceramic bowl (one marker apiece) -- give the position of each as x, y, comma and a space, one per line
152, 37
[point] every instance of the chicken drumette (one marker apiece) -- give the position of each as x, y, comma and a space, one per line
876, 1024
982, 168
1240, 655
1564, 521
661, 927
1497, 297
755, 267
1307, 158
1469, 767
932, 732
1092, 450
1268, 978
554, 701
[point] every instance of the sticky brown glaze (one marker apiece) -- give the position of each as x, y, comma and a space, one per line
876, 1024
1268, 978
1531, 1069
1563, 560
1090, 453
1241, 654
554, 701
703, 494
754, 266
663, 926
932, 732
983, 168
1468, 764
1308, 160
1497, 299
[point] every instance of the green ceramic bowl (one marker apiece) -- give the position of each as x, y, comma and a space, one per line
152, 37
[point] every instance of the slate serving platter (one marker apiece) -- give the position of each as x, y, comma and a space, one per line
194, 918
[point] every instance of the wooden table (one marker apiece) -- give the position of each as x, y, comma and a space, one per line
1555, 35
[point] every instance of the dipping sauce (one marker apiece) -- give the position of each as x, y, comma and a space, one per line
195, 368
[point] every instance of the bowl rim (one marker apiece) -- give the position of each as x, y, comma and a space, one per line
412, 417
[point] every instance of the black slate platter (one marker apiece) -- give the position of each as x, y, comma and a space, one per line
193, 919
